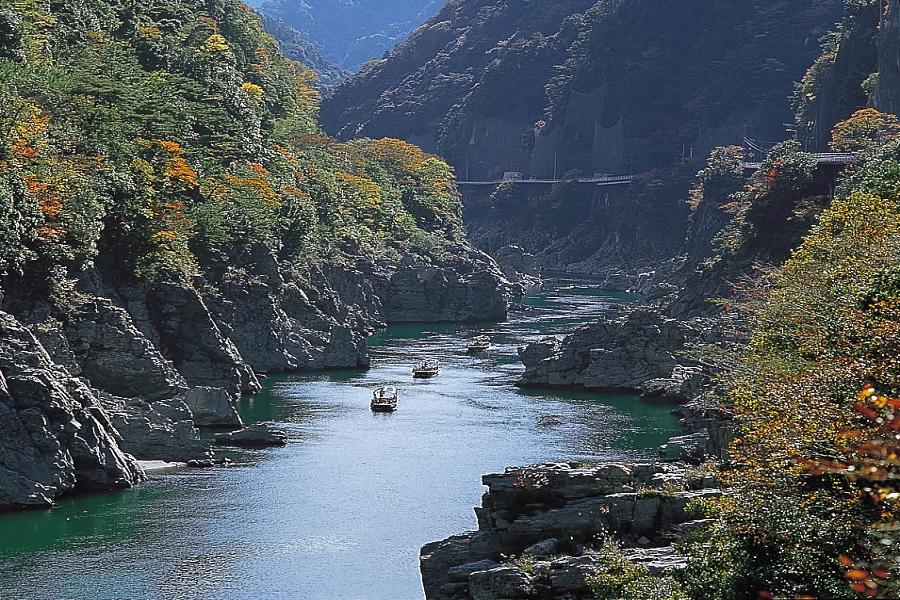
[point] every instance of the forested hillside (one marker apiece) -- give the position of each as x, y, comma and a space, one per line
175, 132
610, 86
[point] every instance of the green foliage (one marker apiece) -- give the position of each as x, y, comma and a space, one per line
621, 579
147, 138
776, 207
721, 179
814, 467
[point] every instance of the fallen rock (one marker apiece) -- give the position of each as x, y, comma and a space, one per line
254, 436
691, 447
546, 547
162, 430
212, 407
500, 583
532, 354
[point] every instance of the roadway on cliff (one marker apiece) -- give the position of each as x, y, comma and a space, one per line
832, 158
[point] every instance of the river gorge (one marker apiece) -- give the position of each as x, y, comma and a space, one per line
341, 512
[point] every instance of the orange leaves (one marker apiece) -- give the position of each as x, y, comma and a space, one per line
773, 174
178, 169
863, 579
398, 154
22, 149
864, 128
256, 185
176, 166
171, 147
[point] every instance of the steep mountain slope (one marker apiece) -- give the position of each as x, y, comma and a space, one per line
859, 66
351, 33
629, 83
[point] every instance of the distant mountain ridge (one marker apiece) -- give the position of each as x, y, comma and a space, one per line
296, 46
351, 32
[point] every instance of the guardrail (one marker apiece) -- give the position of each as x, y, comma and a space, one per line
606, 180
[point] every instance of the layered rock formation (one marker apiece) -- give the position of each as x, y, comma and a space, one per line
554, 515
115, 373
56, 435
638, 351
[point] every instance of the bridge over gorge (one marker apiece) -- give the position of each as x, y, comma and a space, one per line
823, 158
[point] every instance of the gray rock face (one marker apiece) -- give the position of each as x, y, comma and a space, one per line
516, 262
212, 407
115, 357
619, 354
533, 354
692, 447
55, 436
188, 334
466, 287
500, 582
162, 430
133, 367
553, 513
254, 436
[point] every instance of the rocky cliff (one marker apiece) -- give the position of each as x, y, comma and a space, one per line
575, 85
115, 372
613, 233
541, 530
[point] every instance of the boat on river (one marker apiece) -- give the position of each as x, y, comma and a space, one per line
385, 399
480, 344
426, 369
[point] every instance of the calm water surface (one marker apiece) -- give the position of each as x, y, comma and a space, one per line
340, 513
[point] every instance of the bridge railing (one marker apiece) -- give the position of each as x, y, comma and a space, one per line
607, 179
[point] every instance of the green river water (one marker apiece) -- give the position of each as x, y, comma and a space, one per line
341, 512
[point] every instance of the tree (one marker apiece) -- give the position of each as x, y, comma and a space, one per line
864, 129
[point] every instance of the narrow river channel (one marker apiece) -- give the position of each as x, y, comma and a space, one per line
340, 513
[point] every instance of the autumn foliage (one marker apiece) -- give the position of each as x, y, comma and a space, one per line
148, 139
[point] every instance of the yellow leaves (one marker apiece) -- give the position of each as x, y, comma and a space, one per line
864, 128
164, 237
96, 36
29, 136
215, 44
366, 190
149, 33
255, 92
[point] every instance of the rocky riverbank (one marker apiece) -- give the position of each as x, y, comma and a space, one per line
545, 531
108, 373
541, 529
